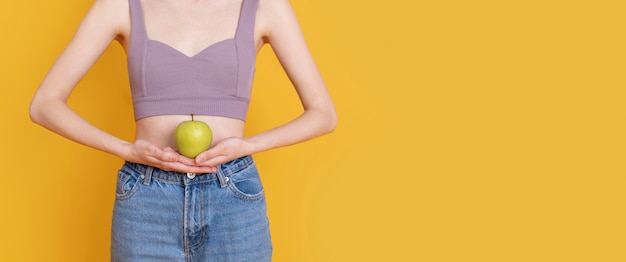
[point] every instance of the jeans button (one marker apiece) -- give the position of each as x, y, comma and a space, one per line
191, 175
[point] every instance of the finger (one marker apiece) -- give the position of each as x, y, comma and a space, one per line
180, 158
185, 160
180, 167
212, 169
170, 155
209, 154
166, 155
216, 161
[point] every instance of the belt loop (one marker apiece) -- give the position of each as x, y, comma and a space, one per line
148, 176
220, 177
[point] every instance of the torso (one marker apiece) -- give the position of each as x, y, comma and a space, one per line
184, 30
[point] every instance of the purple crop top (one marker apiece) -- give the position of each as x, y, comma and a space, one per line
217, 81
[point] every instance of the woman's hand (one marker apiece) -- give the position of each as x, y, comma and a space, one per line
146, 153
224, 151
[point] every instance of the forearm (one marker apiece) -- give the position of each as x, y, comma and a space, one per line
56, 116
309, 125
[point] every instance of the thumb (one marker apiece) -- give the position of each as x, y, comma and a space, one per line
206, 155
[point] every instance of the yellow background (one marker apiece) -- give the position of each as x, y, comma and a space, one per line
469, 131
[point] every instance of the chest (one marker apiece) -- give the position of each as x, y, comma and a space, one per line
191, 28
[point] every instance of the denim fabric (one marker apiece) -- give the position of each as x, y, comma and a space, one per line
171, 216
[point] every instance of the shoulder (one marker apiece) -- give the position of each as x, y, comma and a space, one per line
115, 8
271, 14
271, 8
114, 14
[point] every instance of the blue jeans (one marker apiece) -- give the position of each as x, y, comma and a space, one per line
172, 216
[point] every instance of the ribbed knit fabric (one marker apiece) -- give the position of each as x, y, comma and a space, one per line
217, 81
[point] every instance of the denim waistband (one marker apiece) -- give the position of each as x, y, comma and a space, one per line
225, 170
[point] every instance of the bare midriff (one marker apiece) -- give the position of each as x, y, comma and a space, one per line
159, 130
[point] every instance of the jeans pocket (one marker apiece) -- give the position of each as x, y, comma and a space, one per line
127, 184
246, 184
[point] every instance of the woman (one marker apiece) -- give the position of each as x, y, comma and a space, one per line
188, 57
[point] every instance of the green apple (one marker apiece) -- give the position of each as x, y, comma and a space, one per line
193, 137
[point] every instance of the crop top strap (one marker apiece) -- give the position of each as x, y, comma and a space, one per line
245, 26
138, 27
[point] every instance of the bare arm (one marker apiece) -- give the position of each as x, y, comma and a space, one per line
106, 21
282, 31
